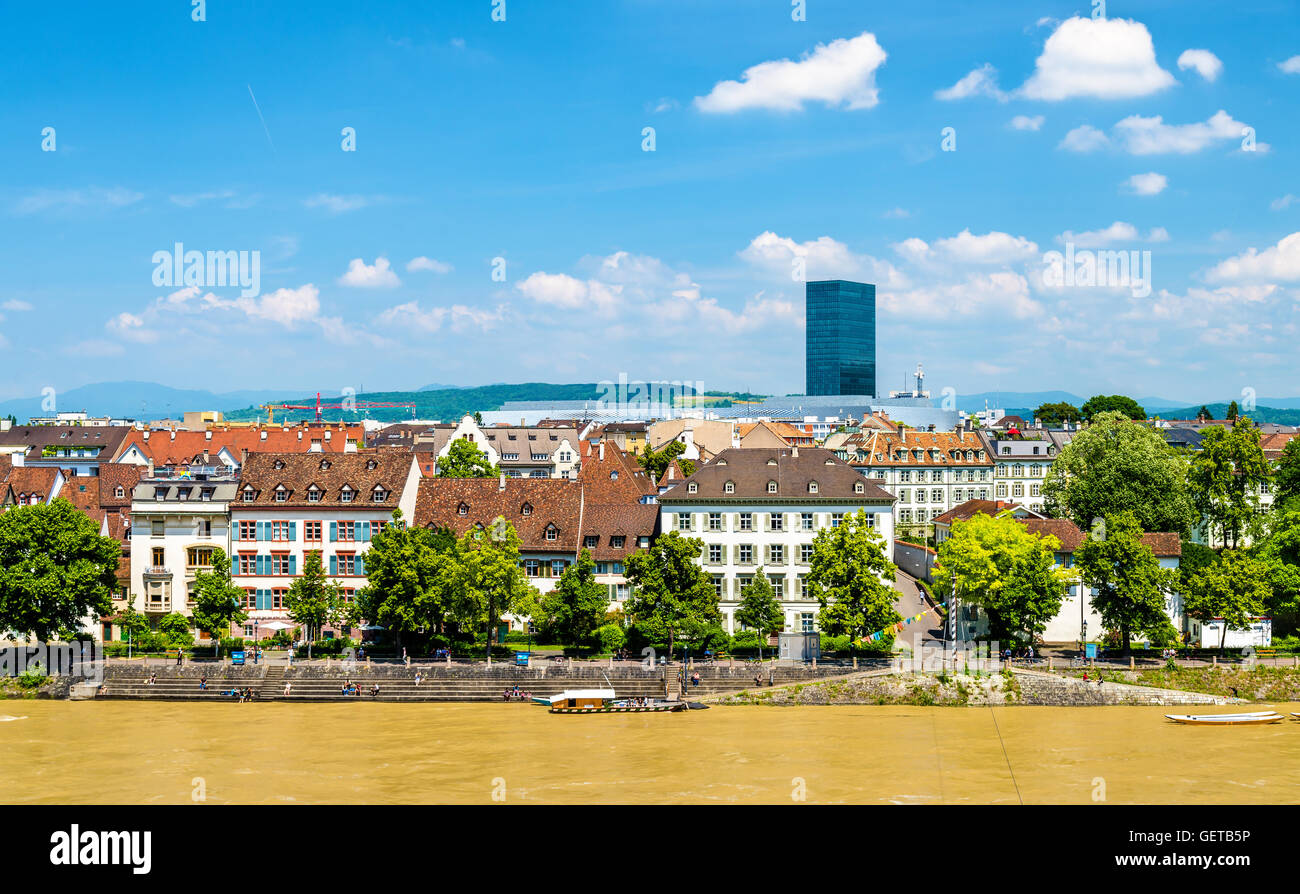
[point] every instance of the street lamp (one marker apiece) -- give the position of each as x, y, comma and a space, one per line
256, 640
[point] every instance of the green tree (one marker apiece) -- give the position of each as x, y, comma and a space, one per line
1279, 551
577, 606
1117, 465
487, 581
176, 629
1231, 415
1235, 588
133, 623
655, 461
851, 575
311, 598
218, 603
759, 610
1204, 413
1129, 584
410, 572
1057, 413
672, 597
465, 460
55, 569
997, 564
1226, 476
1095, 406
1287, 477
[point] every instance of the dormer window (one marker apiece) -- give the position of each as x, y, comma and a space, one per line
729, 487
313, 494
692, 488
462, 509
721, 462
281, 495
120, 492
552, 533
526, 509
772, 462
279, 464
372, 464
345, 495
812, 487
249, 494
324, 465
771, 487
613, 476
379, 494
858, 488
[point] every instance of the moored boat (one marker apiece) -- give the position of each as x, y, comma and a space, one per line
604, 701
1252, 718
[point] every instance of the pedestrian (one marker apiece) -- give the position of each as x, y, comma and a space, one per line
287, 687
374, 690
417, 678
695, 679
203, 682
1099, 679
758, 679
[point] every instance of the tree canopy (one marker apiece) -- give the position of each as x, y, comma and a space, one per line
464, 459
1287, 477
311, 599
850, 574
1235, 588
218, 603
759, 610
486, 581
1057, 413
576, 608
1130, 584
998, 565
1094, 406
673, 598
1225, 478
409, 573
55, 569
1116, 465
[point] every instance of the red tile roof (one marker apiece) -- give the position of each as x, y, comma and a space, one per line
172, 448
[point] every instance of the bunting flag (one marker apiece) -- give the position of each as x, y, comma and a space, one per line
897, 628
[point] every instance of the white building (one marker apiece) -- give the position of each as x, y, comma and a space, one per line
761, 507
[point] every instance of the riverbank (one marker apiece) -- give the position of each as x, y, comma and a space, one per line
1006, 687
1258, 684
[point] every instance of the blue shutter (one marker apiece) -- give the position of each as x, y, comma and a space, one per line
365, 532
293, 564
234, 564
334, 566
293, 530
334, 531
361, 564
261, 531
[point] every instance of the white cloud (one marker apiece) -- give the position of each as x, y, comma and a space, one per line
15, 305
896, 214
1119, 231
841, 73
1151, 136
1003, 292
1097, 58
284, 306
1205, 63
1280, 261
1027, 122
458, 317
982, 81
92, 199
1084, 138
1290, 66
823, 258
569, 293
1283, 203
1149, 184
131, 327
423, 263
336, 204
376, 276
967, 248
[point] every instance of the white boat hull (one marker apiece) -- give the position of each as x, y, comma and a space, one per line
1252, 718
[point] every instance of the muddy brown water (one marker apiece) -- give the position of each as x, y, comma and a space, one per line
167, 752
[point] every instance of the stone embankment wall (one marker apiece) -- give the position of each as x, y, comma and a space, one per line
1051, 689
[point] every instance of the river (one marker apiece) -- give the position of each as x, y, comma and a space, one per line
173, 752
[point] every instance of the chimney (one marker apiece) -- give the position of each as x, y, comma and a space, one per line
602, 451
173, 435
205, 456
501, 486
794, 451
146, 434
149, 474
207, 435
243, 457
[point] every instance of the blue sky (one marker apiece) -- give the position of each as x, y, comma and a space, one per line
776, 142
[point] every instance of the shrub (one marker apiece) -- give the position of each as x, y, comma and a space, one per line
610, 638
32, 677
746, 641
1164, 637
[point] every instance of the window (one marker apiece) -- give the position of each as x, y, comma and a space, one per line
920, 495
1017, 489
281, 495
247, 530
1002, 490
280, 564
249, 495
836, 519
552, 533
746, 551
379, 495
905, 516
777, 553
247, 563
771, 487
345, 495
1034, 490
281, 530
347, 531
683, 521
778, 585
590, 542
526, 509
858, 488
715, 553
313, 494
616, 541
715, 521
531, 567
729, 487
312, 531
157, 527
719, 582
120, 492
776, 521
905, 475
159, 557
347, 563
198, 557
372, 464
806, 521
462, 509
812, 487
557, 567
643, 541
692, 488
746, 521
806, 622
936, 496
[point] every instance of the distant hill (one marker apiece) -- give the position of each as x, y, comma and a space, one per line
140, 400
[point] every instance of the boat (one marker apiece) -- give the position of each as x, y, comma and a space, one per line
604, 701
1253, 718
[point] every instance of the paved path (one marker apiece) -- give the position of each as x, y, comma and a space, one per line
912, 600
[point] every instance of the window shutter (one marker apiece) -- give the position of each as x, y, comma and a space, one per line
334, 561
334, 531
361, 563
258, 525
293, 530
234, 564
293, 564
365, 532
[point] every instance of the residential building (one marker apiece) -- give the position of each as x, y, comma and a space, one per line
519, 451
290, 504
225, 445
23, 485
928, 471
76, 449
106, 499
702, 438
761, 508
1021, 462
841, 338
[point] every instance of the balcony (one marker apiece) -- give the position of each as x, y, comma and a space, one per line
157, 571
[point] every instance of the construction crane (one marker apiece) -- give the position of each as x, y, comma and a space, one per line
351, 405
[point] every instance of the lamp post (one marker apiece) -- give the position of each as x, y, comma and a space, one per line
256, 641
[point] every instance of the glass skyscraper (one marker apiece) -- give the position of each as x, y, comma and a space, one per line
841, 332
